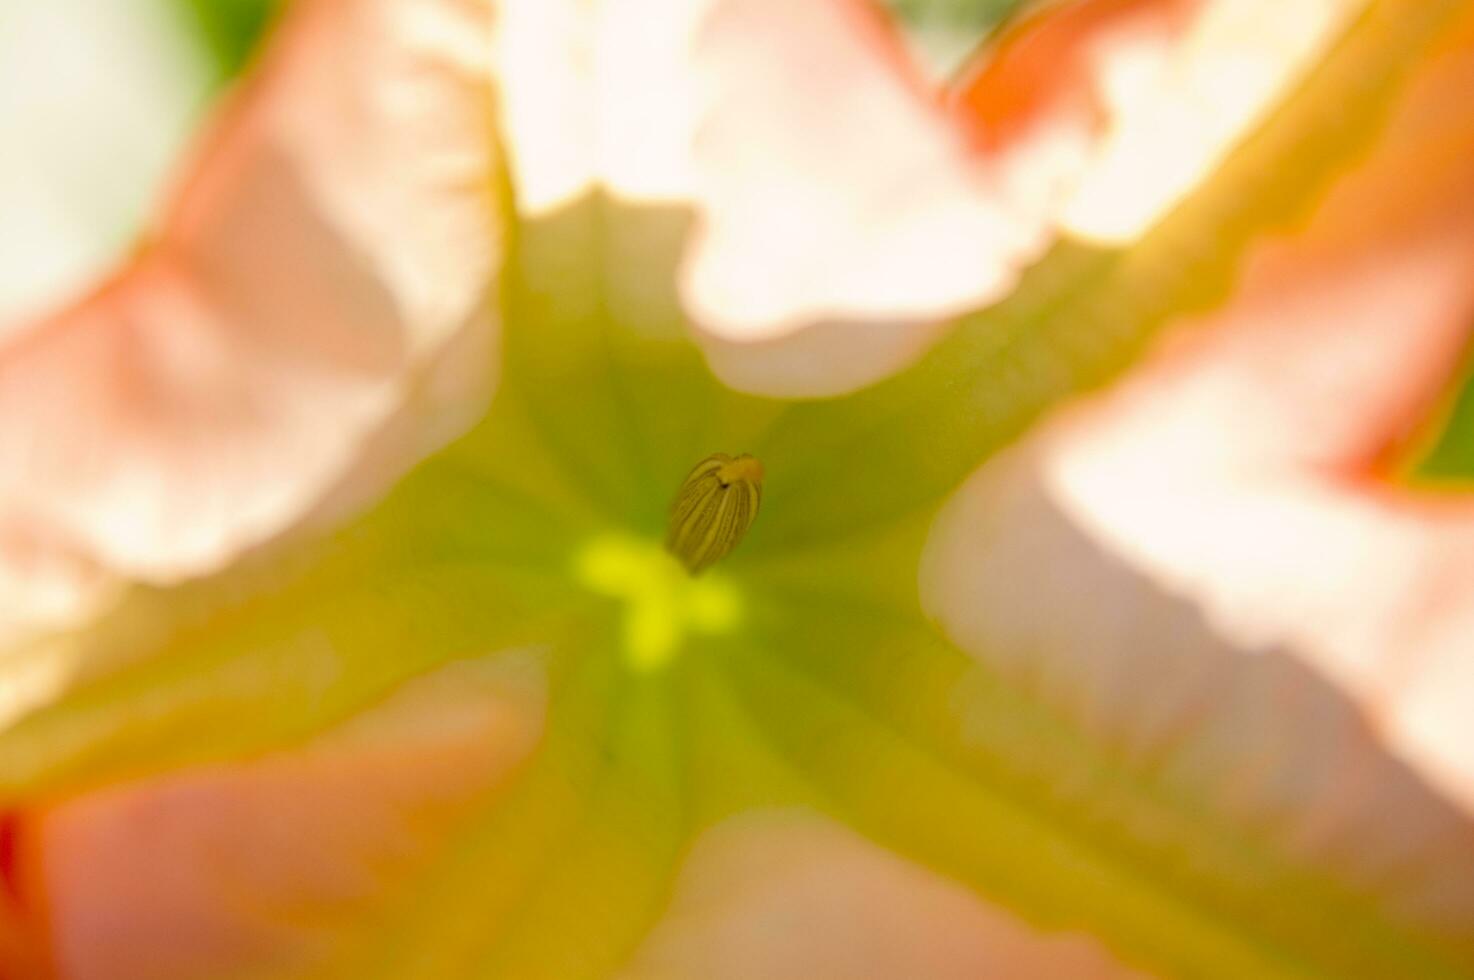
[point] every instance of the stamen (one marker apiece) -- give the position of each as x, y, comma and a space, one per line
713, 509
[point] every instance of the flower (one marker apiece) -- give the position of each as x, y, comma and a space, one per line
342, 639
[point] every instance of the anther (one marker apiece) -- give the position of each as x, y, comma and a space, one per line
713, 509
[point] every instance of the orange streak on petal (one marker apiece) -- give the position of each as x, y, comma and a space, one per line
1043, 65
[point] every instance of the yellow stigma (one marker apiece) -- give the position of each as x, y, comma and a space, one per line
663, 606
713, 509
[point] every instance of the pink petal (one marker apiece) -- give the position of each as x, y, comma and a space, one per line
597, 94
338, 228
833, 188
786, 894
1203, 566
1161, 91
845, 210
846, 213
711, 105
269, 865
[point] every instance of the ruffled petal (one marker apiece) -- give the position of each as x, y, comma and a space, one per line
1204, 564
598, 95
835, 254
845, 209
786, 894
1148, 96
662, 103
338, 228
834, 191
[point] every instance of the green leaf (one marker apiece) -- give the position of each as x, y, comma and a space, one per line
943, 32
1447, 456
231, 29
